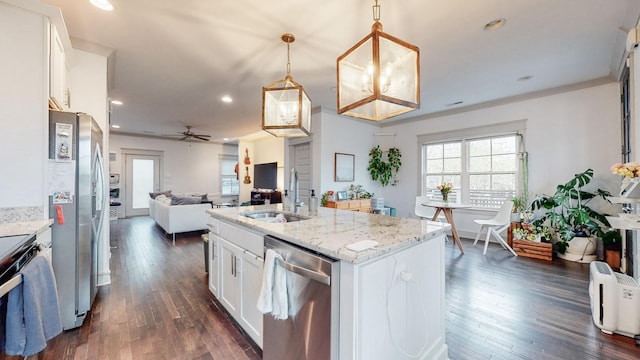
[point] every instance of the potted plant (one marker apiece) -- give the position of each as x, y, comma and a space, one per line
517, 209
327, 196
567, 212
381, 170
360, 192
520, 233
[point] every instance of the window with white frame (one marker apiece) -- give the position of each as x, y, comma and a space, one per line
485, 170
229, 183
443, 163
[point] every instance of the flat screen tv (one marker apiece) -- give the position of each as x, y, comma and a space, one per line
266, 176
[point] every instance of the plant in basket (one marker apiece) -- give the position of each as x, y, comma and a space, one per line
568, 213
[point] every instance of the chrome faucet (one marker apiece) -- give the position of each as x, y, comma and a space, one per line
293, 191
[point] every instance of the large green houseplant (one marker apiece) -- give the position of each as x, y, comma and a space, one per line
567, 211
381, 170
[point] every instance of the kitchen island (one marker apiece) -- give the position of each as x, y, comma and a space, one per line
387, 301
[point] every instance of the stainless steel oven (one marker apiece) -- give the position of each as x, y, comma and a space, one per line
311, 330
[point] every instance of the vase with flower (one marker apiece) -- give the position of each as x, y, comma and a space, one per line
445, 188
631, 178
629, 170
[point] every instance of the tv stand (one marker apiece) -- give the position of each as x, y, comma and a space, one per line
258, 197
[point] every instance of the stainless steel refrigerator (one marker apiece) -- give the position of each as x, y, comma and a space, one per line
77, 201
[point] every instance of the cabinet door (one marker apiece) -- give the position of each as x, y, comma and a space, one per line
58, 71
214, 264
230, 258
250, 282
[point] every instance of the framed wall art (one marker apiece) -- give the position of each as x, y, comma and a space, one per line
344, 165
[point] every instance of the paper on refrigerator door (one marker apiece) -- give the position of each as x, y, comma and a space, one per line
62, 180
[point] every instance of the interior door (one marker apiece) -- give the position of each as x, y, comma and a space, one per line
302, 163
142, 177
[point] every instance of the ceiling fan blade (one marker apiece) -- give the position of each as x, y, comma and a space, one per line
201, 137
184, 137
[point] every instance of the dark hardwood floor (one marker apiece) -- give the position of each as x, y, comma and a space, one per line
497, 307
502, 307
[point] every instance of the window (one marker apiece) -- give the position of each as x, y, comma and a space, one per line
229, 183
443, 163
485, 171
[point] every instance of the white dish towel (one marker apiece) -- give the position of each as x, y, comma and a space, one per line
273, 292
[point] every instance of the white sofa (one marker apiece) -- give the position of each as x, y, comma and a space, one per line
178, 218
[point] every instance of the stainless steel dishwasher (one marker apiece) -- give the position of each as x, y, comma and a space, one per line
311, 330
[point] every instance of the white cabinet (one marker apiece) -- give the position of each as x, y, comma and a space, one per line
229, 295
239, 270
250, 281
214, 266
393, 307
58, 71
214, 256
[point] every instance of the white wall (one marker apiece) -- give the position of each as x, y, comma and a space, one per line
263, 148
245, 147
341, 134
89, 87
270, 149
23, 114
566, 134
189, 167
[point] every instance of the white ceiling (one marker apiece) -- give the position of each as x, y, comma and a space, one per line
172, 61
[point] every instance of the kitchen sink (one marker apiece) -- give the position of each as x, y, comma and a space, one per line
272, 216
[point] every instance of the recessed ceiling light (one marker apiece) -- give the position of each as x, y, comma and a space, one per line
495, 24
225, 139
116, 102
102, 4
227, 99
525, 78
115, 126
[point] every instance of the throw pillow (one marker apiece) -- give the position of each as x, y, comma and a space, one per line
154, 195
204, 198
188, 200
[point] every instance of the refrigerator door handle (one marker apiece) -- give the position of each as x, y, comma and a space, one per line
100, 203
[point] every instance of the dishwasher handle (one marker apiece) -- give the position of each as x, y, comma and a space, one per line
313, 275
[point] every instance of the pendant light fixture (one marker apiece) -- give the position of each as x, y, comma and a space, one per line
286, 108
379, 77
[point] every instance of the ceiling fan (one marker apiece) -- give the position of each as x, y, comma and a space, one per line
189, 135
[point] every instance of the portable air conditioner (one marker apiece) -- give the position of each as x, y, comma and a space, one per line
615, 300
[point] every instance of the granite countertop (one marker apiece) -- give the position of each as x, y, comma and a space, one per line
24, 227
14, 234
332, 230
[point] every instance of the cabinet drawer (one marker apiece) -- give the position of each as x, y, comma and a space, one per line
245, 239
214, 225
338, 204
342, 205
